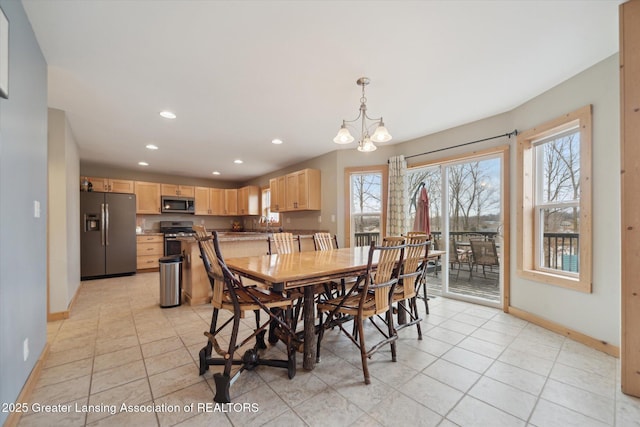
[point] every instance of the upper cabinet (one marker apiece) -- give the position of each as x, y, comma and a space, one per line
109, 185
249, 200
202, 201
297, 191
147, 197
278, 193
177, 190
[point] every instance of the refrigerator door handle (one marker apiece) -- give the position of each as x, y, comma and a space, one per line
102, 230
107, 223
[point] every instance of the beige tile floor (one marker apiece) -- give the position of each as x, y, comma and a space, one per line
476, 366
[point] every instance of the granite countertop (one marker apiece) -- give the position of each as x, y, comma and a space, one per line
239, 236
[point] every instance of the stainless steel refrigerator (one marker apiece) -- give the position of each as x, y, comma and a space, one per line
107, 234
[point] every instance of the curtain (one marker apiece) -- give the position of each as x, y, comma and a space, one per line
397, 211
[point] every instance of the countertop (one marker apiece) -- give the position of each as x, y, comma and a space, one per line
239, 236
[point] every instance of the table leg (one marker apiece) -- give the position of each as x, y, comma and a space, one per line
309, 317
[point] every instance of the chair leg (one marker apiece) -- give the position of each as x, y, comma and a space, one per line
425, 297
260, 337
392, 332
205, 352
223, 383
320, 335
363, 350
291, 351
414, 304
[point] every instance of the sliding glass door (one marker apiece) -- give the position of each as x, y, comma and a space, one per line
466, 207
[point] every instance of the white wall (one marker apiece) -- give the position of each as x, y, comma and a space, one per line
23, 180
64, 213
597, 314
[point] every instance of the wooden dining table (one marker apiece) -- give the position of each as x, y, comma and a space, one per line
283, 272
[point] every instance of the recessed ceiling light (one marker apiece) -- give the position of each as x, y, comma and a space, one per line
276, 141
215, 173
143, 163
152, 147
167, 114
238, 162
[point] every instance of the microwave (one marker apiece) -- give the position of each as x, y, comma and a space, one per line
172, 204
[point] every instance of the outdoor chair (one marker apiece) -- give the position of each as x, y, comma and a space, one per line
484, 254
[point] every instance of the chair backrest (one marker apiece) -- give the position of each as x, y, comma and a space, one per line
282, 243
453, 251
414, 265
385, 276
324, 241
484, 252
474, 236
208, 243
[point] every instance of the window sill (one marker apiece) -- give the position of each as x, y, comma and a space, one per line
556, 280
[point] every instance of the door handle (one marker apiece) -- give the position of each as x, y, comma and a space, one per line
102, 224
106, 233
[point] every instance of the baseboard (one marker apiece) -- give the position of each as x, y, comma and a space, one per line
61, 315
58, 315
594, 343
25, 394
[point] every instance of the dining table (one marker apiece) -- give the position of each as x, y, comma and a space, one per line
285, 272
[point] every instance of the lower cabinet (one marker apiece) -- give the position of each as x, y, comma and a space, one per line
150, 249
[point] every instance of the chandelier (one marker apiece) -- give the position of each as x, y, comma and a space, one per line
366, 142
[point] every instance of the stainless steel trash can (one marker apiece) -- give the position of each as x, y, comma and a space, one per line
170, 281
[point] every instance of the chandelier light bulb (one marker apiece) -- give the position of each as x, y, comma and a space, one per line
343, 136
366, 146
381, 134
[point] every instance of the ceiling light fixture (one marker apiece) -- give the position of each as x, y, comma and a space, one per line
167, 114
276, 141
151, 147
238, 162
215, 173
143, 163
366, 142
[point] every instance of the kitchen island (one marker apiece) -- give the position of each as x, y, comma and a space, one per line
195, 283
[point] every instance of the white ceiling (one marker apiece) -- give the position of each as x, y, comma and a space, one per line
240, 73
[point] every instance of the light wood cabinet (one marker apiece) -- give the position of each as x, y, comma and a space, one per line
278, 193
202, 196
177, 190
149, 250
110, 185
230, 201
303, 190
217, 201
147, 197
249, 200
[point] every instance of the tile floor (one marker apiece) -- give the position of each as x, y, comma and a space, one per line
476, 366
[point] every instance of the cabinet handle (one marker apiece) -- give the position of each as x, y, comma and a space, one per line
150, 249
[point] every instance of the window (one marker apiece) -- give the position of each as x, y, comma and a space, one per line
366, 205
554, 201
272, 217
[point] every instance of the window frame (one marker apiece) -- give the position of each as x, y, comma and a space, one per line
527, 241
381, 169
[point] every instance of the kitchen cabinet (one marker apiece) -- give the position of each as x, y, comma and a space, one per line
278, 193
230, 201
202, 201
217, 201
303, 190
110, 185
249, 200
177, 190
150, 248
147, 197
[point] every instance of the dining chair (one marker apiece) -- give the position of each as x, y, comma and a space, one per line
421, 284
325, 241
230, 294
484, 253
366, 299
412, 274
283, 243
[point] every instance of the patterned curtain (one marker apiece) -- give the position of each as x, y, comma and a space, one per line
397, 205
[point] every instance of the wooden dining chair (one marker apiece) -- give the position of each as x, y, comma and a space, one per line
325, 241
230, 294
283, 243
366, 299
421, 281
412, 275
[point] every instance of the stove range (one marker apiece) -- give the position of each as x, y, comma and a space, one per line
172, 230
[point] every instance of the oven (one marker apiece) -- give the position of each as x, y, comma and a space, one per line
172, 230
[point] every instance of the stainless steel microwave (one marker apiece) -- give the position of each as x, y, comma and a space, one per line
173, 204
